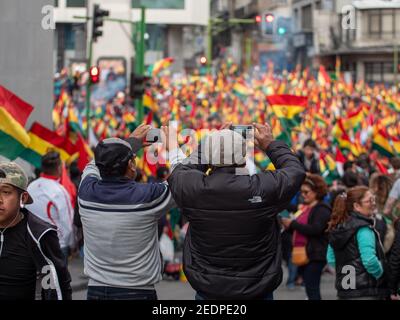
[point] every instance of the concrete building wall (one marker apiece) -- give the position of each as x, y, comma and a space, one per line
196, 12
26, 55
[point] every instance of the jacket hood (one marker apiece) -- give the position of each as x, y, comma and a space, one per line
344, 232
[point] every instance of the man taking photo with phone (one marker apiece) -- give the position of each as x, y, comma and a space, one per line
119, 218
232, 248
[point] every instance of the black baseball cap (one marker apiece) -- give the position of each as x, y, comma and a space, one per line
112, 156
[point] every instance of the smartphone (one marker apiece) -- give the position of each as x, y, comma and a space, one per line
154, 135
243, 130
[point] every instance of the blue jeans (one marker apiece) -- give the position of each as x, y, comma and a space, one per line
292, 272
268, 296
312, 279
113, 293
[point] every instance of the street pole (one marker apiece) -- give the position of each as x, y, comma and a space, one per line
209, 45
88, 88
249, 45
396, 65
139, 59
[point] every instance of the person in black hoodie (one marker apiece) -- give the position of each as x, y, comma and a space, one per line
394, 265
355, 249
310, 230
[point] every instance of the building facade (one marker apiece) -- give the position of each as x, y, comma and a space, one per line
173, 28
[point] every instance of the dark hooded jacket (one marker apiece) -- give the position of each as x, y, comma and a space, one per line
343, 240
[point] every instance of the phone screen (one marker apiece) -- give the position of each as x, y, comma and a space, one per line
243, 130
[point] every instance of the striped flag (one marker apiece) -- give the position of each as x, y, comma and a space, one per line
288, 108
159, 65
14, 113
42, 140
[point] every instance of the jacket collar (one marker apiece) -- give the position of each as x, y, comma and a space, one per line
359, 216
50, 177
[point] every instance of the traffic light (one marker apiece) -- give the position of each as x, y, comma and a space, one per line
138, 85
203, 61
283, 26
94, 73
258, 19
98, 15
225, 16
269, 23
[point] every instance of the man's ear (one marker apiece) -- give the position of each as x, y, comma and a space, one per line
132, 165
24, 197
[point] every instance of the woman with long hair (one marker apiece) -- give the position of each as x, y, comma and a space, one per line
309, 233
380, 185
355, 249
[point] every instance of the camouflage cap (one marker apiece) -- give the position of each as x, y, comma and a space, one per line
11, 173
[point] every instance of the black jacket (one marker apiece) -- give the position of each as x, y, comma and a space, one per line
232, 248
48, 258
343, 240
314, 166
315, 231
394, 263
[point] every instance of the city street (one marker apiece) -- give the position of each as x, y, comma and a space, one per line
177, 290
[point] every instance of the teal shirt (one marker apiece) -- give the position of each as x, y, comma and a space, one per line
366, 246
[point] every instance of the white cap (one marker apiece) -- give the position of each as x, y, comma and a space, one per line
224, 148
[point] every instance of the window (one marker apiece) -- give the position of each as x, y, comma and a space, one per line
159, 4
306, 18
56, 3
387, 22
374, 22
379, 72
76, 3
382, 23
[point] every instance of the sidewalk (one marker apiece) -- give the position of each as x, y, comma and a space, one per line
79, 280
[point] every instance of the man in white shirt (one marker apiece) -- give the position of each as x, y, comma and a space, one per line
51, 200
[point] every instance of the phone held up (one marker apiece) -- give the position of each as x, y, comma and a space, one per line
243, 130
154, 135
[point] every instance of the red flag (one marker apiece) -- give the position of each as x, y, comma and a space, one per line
149, 118
85, 154
381, 167
68, 185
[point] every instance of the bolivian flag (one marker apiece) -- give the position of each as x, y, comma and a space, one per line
13, 115
43, 140
354, 119
328, 168
160, 65
323, 77
384, 144
288, 108
394, 105
241, 90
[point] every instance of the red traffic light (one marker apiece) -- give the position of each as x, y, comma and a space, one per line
258, 19
94, 74
269, 18
203, 60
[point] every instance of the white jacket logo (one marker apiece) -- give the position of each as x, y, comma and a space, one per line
256, 199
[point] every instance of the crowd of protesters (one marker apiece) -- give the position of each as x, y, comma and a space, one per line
236, 225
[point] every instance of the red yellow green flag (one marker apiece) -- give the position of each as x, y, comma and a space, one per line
14, 113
